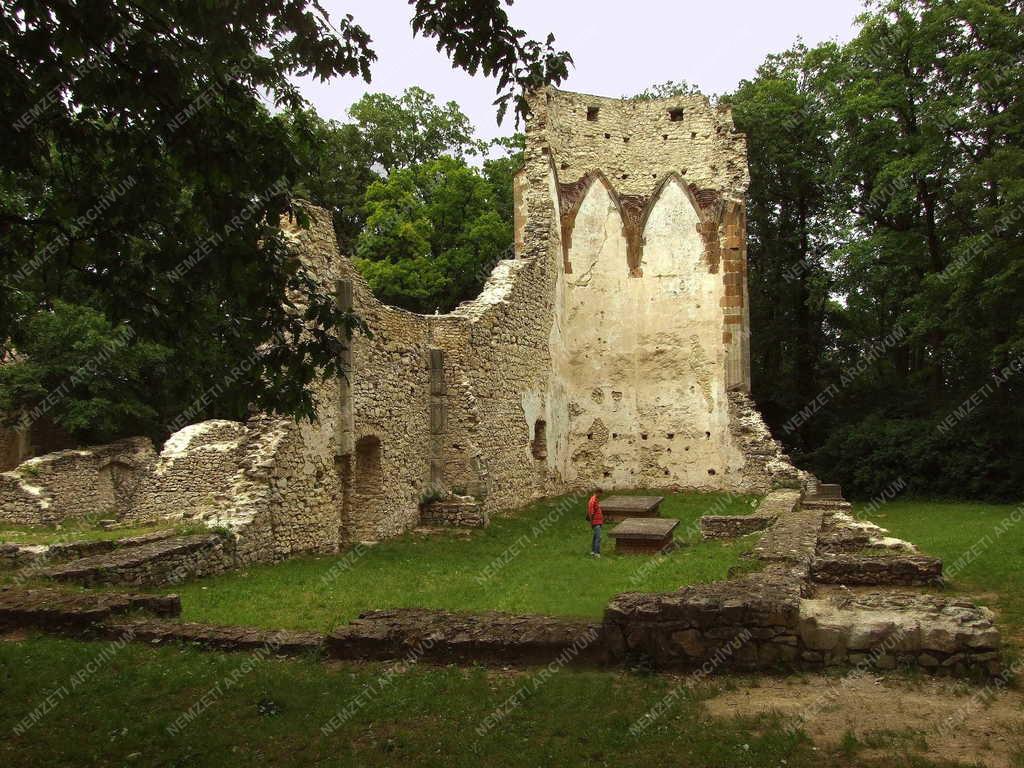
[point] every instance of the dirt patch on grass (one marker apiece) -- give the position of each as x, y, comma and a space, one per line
942, 720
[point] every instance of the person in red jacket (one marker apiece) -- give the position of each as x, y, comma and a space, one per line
596, 519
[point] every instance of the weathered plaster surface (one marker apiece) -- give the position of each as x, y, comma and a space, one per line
641, 355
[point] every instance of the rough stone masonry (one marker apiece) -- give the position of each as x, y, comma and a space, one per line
612, 349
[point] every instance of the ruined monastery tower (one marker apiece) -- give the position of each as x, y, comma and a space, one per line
613, 350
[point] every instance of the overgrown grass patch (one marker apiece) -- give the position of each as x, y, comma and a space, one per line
535, 561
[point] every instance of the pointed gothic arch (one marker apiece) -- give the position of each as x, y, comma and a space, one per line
570, 199
660, 189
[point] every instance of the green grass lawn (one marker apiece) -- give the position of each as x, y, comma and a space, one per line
532, 562
77, 705
982, 546
270, 713
69, 703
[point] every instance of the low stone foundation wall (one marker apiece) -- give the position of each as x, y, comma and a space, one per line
769, 620
19, 555
22, 555
898, 570
733, 527
761, 622
889, 630
766, 620
454, 513
843, 540
793, 539
276, 642
746, 623
444, 637
843, 534
776, 503
54, 609
758, 622
169, 561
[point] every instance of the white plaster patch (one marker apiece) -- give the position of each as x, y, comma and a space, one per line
39, 492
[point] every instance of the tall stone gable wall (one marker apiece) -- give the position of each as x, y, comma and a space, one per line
612, 350
651, 322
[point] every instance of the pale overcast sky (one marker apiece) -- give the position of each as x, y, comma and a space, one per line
619, 47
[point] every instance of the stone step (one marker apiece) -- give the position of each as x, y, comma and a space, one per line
21, 555
165, 561
827, 505
55, 609
843, 541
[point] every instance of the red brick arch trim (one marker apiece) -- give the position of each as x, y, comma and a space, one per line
635, 210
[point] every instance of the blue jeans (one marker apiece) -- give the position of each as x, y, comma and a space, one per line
596, 546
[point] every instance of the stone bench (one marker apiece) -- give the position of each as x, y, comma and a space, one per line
829, 491
619, 508
644, 535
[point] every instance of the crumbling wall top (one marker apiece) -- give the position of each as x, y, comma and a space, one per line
636, 143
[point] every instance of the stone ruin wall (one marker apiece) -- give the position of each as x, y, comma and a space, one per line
94, 483
20, 442
193, 475
612, 350
440, 403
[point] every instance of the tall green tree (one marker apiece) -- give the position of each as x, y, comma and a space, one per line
386, 135
339, 167
506, 159
143, 177
914, 151
433, 234
413, 128
919, 103
790, 230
